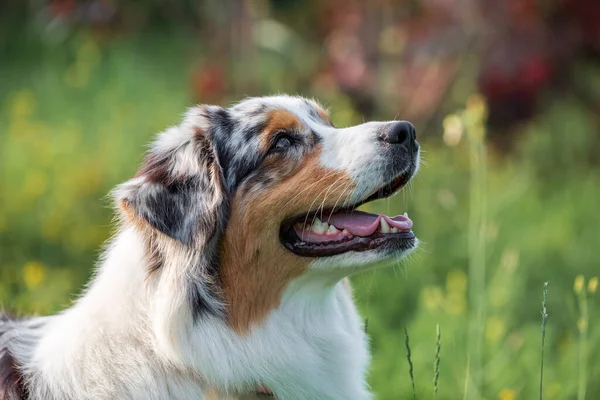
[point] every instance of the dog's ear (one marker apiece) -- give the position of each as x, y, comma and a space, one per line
178, 190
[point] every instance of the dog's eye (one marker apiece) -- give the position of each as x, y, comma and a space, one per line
282, 143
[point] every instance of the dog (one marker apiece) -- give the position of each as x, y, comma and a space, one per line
228, 273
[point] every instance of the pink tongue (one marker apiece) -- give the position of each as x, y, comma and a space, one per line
360, 223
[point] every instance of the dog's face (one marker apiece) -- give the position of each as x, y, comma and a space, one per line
268, 190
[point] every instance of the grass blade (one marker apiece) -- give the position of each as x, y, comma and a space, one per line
410, 364
436, 365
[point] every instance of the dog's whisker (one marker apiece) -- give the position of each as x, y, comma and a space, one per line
309, 210
310, 186
338, 199
323, 202
326, 194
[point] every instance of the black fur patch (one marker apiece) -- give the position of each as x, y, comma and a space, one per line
253, 132
203, 296
223, 119
170, 208
164, 201
221, 127
238, 155
176, 205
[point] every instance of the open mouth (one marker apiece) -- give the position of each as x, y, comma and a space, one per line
332, 232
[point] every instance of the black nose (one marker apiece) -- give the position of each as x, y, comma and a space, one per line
401, 132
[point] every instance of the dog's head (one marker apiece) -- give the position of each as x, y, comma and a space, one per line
266, 191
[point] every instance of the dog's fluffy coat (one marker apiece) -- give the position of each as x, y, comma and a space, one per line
195, 293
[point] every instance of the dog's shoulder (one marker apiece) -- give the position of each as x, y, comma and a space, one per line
12, 386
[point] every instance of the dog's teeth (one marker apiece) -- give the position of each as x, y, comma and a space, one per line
345, 232
316, 225
405, 214
394, 230
332, 229
383, 226
319, 227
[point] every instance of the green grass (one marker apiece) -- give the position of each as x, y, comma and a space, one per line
74, 121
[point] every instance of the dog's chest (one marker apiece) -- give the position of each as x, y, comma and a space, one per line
304, 342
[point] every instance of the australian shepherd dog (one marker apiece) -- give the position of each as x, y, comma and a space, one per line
227, 275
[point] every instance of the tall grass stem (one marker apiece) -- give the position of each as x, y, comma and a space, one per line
410, 364
474, 120
544, 320
436, 365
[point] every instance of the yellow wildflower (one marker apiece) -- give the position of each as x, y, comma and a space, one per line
476, 105
453, 130
593, 284
578, 285
33, 274
507, 394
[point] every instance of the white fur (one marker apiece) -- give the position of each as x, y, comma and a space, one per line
356, 151
112, 343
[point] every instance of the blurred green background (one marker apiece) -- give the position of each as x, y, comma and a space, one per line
506, 100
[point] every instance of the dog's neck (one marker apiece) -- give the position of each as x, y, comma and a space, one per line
129, 334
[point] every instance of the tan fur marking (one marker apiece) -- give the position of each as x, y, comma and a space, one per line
255, 267
323, 115
131, 217
278, 120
